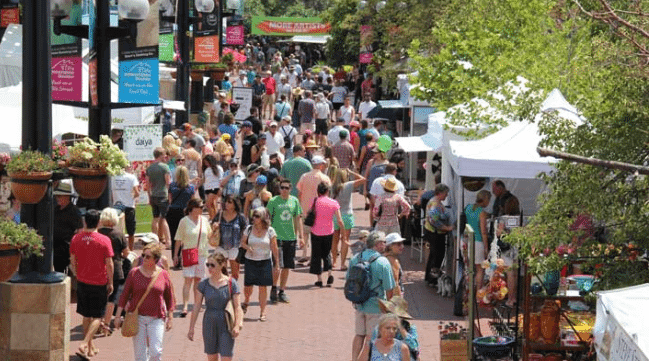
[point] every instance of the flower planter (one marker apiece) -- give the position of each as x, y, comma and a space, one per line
174, 74
90, 183
196, 75
217, 74
9, 261
29, 188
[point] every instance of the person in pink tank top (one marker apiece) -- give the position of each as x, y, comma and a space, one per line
322, 233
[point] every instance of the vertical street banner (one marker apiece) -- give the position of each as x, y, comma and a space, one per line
66, 59
367, 38
206, 39
9, 14
234, 35
138, 62
167, 29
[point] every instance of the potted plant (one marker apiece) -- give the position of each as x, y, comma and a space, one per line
4, 159
16, 239
30, 171
91, 163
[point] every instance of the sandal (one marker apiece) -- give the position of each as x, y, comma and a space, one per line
244, 307
262, 318
83, 353
183, 314
105, 330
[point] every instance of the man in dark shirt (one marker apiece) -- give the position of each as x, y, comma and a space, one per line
506, 204
258, 90
253, 118
67, 219
248, 140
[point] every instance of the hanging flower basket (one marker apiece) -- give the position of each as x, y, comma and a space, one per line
9, 261
217, 74
196, 75
29, 188
90, 183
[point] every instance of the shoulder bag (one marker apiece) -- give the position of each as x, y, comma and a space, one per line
230, 311
190, 256
215, 240
241, 255
131, 325
309, 220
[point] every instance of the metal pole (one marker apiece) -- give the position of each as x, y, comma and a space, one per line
183, 67
37, 133
99, 117
220, 29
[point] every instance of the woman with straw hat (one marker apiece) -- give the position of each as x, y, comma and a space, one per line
408, 332
388, 207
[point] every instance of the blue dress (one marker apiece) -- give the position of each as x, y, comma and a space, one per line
216, 337
393, 355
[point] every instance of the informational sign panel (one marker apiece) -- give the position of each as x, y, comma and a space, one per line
367, 38
141, 140
206, 49
138, 62
66, 59
9, 15
265, 25
234, 35
243, 97
166, 47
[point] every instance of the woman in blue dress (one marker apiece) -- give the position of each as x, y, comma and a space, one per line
217, 290
386, 347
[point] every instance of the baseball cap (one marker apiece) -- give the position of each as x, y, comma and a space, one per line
393, 238
340, 120
261, 179
343, 133
234, 161
247, 124
251, 168
262, 136
226, 136
187, 126
273, 124
354, 123
317, 159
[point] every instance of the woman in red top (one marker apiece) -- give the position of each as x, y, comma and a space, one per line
156, 312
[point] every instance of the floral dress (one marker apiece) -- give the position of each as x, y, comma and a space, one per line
386, 210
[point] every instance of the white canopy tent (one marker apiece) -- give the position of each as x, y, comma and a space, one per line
621, 326
63, 120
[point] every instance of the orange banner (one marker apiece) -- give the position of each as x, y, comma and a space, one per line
206, 49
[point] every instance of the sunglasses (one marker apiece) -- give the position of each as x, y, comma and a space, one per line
210, 265
148, 256
285, 188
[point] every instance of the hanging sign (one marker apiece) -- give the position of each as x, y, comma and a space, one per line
138, 62
206, 49
66, 60
367, 38
9, 16
287, 26
234, 35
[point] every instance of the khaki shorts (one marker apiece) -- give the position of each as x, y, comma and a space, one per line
366, 322
268, 99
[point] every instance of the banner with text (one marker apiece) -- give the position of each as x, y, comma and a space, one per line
367, 38
138, 62
66, 60
234, 35
206, 49
265, 25
10, 14
243, 97
141, 140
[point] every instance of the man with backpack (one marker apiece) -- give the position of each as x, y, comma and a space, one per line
369, 278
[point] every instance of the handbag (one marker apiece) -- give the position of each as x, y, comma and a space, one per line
277, 118
241, 255
130, 326
229, 310
215, 240
190, 256
309, 220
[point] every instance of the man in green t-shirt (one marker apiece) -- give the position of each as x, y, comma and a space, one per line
294, 168
286, 218
158, 178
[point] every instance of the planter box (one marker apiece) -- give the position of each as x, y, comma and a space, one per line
453, 350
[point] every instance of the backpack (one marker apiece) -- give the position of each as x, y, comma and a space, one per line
357, 285
287, 138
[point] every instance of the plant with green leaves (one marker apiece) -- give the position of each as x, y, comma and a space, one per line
30, 161
104, 155
21, 236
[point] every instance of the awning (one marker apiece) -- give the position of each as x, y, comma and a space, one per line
413, 144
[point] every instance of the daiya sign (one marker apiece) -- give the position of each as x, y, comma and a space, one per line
141, 140
264, 25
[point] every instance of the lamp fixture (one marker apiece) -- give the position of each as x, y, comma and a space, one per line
134, 10
60, 8
381, 5
205, 6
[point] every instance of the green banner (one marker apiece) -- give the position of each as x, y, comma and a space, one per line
265, 25
166, 47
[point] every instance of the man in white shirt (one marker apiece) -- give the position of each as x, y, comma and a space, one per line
366, 106
322, 115
284, 88
376, 188
275, 141
241, 81
334, 134
125, 191
308, 83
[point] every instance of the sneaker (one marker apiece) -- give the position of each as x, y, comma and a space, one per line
273, 295
283, 297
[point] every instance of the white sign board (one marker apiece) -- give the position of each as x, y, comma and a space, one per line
141, 140
243, 97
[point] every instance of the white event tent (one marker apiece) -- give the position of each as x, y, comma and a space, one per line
620, 330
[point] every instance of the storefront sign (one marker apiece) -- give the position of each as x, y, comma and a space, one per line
263, 25
206, 49
141, 140
234, 35
243, 97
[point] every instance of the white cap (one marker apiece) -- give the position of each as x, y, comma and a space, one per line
393, 238
318, 159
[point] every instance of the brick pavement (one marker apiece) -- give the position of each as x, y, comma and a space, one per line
316, 325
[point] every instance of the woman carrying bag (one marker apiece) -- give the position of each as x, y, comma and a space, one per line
180, 192
193, 234
218, 290
149, 295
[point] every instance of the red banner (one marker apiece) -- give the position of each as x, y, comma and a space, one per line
9, 16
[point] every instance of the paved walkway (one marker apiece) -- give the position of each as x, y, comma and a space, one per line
317, 325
